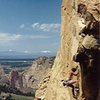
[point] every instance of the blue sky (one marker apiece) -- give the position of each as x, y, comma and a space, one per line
30, 25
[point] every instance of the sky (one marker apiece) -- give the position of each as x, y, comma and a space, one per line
30, 25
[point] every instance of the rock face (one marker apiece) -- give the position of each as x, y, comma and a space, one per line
74, 23
40, 67
4, 78
2, 71
16, 80
28, 80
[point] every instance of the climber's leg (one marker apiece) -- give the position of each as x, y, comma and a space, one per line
72, 86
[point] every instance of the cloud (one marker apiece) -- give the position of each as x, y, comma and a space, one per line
26, 51
46, 51
6, 37
35, 25
37, 37
46, 27
9, 37
10, 50
22, 26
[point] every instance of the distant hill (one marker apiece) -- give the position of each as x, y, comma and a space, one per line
22, 55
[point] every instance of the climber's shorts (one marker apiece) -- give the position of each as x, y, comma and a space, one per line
68, 82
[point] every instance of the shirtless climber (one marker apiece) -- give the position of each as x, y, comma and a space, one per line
70, 82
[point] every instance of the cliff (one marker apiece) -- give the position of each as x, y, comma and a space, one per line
16, 80
1, 71
27, 81
40, 67
73, 22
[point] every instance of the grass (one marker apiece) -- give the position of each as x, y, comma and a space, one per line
20, 97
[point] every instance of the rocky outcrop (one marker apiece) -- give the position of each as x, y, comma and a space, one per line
40, 67
28, 80
4, 78
16, 80
73, 23
2, 71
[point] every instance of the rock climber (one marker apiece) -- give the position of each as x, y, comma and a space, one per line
70, 82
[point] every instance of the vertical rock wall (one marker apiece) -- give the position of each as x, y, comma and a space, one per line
70, 27
63, 62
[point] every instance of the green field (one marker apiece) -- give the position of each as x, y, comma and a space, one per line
19, 97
